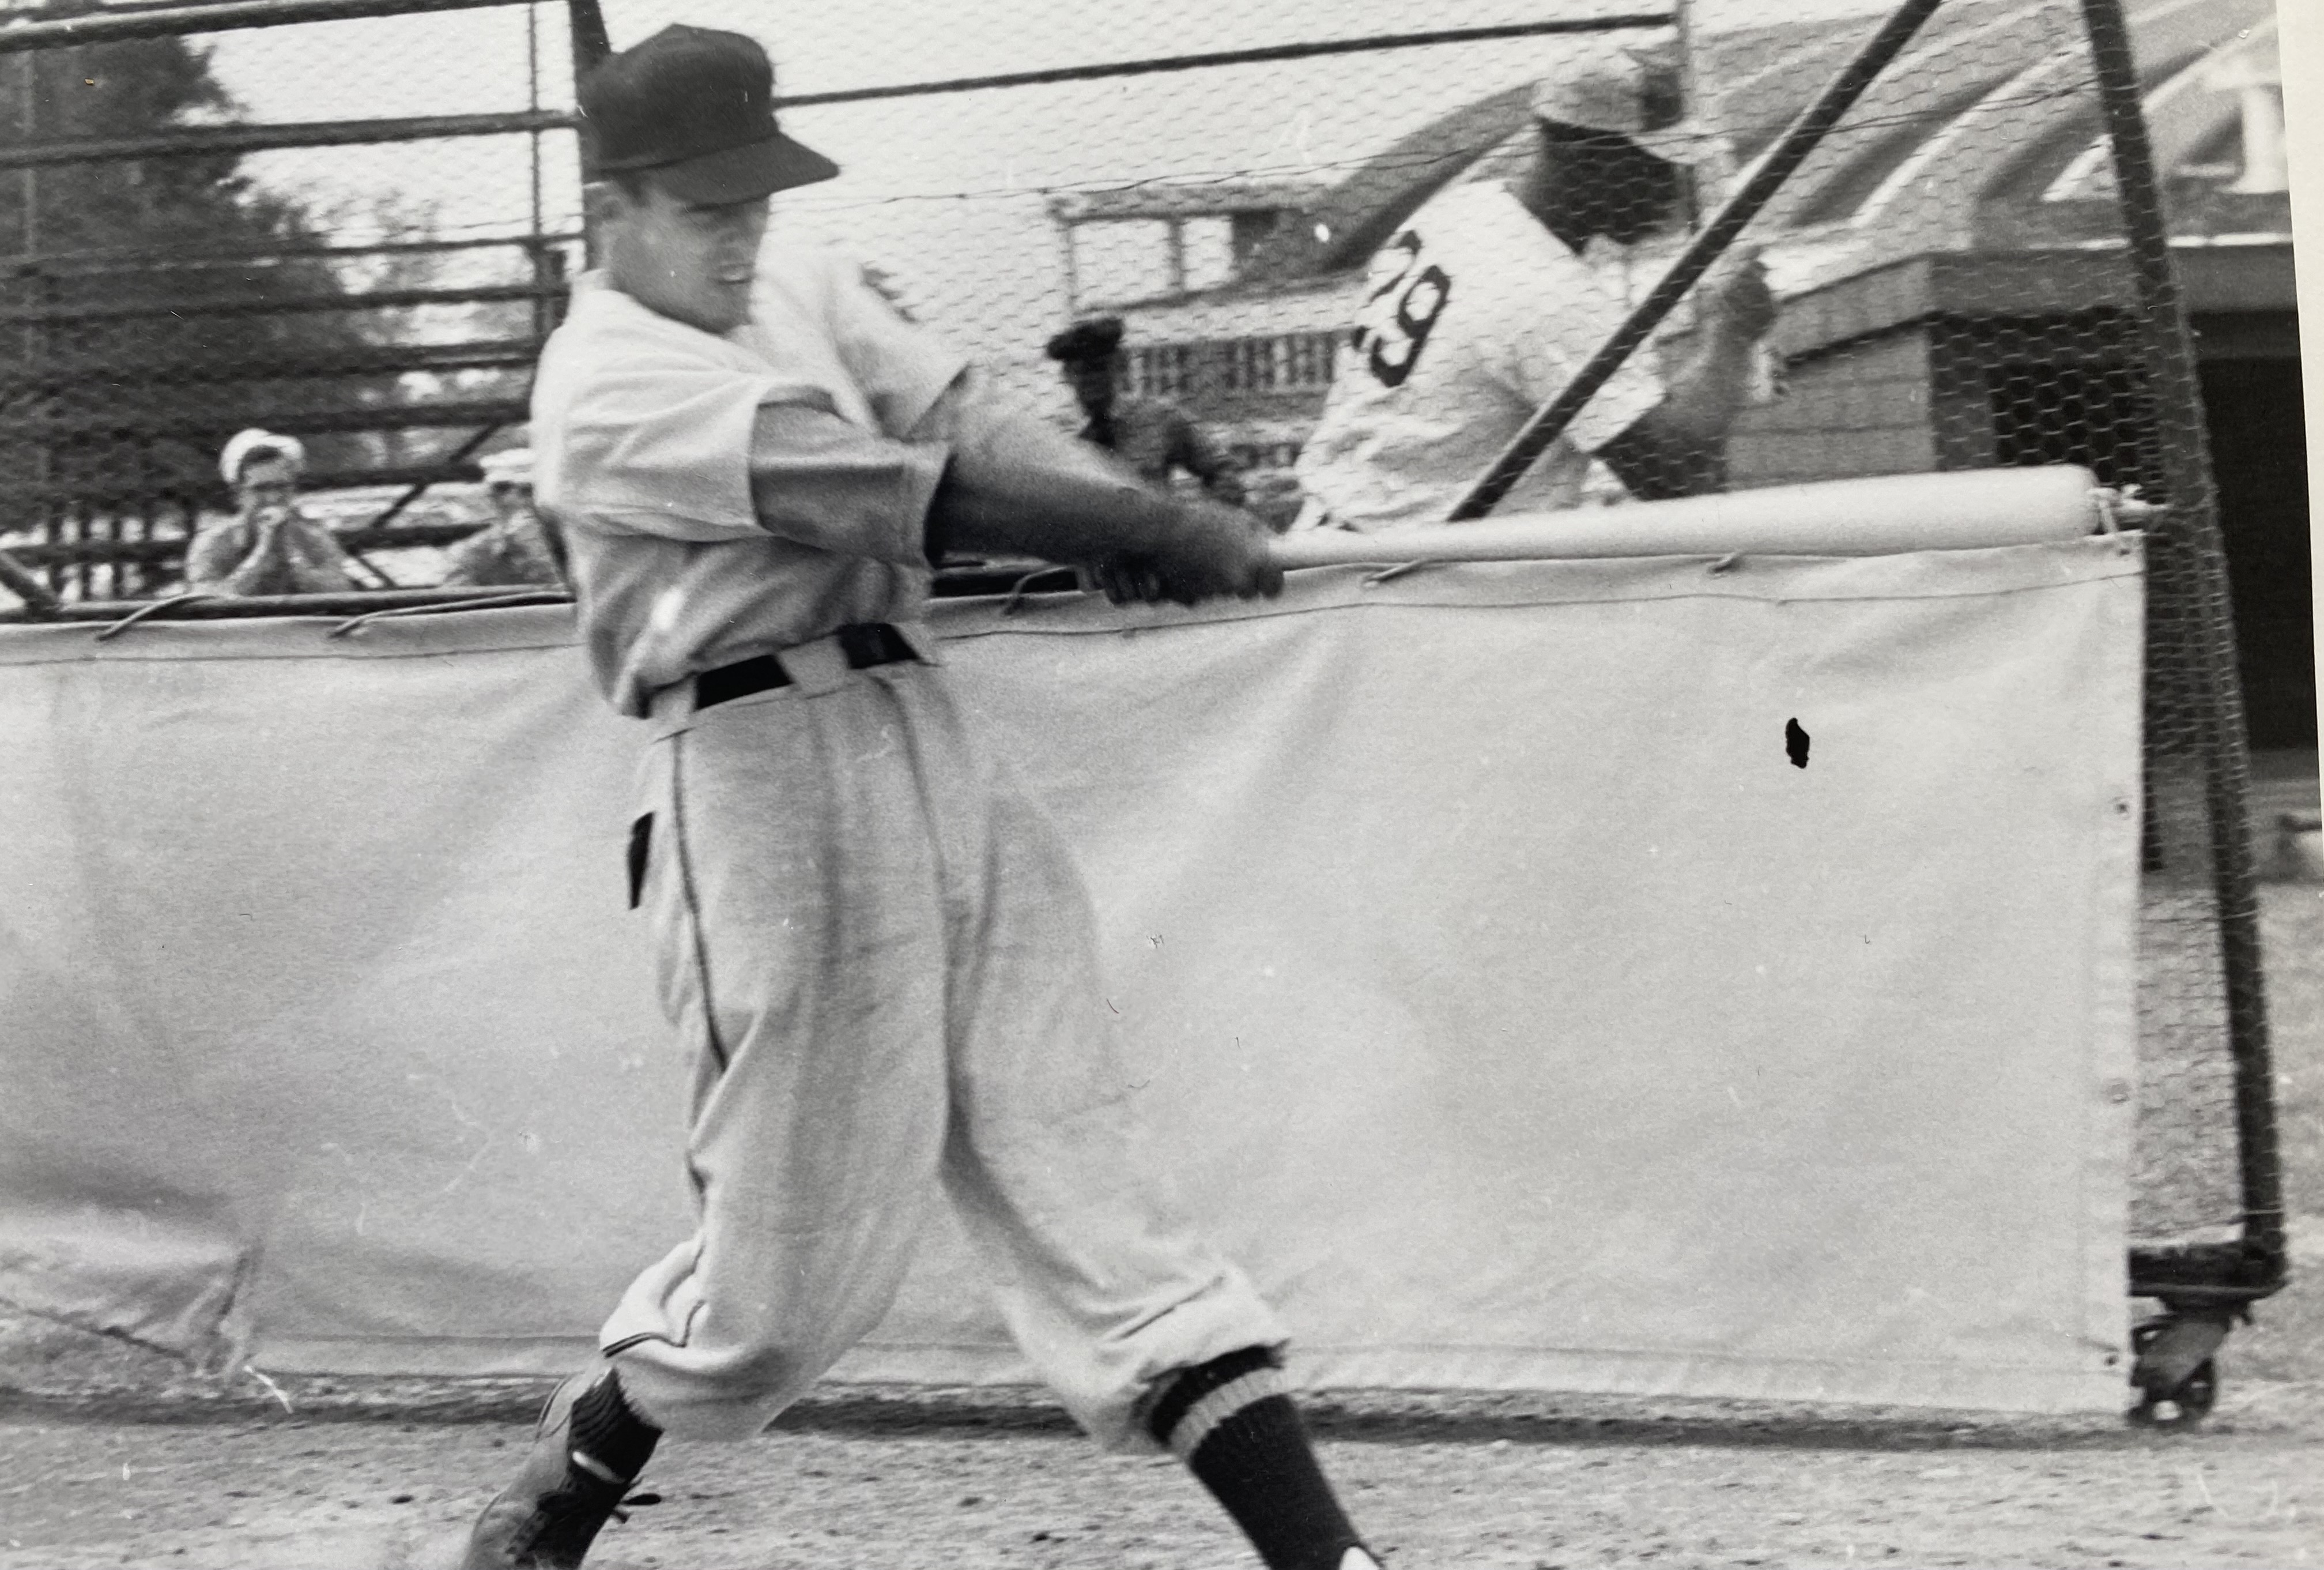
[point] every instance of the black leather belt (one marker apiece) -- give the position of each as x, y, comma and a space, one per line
864, 643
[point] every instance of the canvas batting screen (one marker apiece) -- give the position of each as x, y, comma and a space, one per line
1985, 226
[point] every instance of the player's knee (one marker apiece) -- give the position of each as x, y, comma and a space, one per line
771, 1373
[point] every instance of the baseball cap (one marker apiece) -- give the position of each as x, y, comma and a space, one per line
697, 106
245, 446
1093, 339
1632, 89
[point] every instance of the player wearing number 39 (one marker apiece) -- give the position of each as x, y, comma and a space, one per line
1483, 307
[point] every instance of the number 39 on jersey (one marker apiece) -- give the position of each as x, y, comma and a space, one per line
1406, 295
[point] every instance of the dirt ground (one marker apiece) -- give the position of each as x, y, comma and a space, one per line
110, 1456
1570, 1485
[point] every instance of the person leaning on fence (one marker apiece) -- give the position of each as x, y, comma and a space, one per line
519, 548
1485, 306
1151, 435
269, 547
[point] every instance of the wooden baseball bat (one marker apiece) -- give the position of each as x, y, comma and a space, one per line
1964, 510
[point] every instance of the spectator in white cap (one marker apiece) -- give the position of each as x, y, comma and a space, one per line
1482, 309
269, 547
520, 548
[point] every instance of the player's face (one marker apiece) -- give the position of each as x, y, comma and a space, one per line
512, 500
1092, 381
267, 484
1600, 183
692, 262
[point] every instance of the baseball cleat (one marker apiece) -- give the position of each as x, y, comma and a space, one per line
562, 1497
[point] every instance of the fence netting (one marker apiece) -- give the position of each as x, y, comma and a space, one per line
357, 232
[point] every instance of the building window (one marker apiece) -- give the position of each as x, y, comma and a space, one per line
1207, 252
1310, 359
1162, 370
1252, 230
1121, 261
1284, 362
1249, 365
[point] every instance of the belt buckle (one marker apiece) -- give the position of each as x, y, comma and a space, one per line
860, 642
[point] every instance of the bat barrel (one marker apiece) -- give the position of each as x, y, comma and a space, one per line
1887, 515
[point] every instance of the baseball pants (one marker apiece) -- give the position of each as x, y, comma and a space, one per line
879, 955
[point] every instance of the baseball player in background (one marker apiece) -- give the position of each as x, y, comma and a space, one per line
518, 547
1151, 435
1485, 305
269, 547
871, 941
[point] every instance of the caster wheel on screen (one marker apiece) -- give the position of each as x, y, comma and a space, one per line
2183, 1404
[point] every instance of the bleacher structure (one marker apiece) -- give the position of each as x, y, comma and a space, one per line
1999, 249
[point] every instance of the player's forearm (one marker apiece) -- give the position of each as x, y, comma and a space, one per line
1704, 397
214, 567
1221, 475
967, 478
998, 504
252, 578
1016, 485
1658, 459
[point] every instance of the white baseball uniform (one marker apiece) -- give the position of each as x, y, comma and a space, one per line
1474, 315
871, 940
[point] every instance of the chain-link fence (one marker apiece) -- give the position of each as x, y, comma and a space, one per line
1987, 251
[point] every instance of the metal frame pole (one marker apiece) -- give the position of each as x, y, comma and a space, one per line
106, 24
591, 44
2194, 526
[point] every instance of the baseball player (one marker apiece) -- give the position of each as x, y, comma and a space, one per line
269, 547
1485, 305
1151, 435
869, 940
518, 547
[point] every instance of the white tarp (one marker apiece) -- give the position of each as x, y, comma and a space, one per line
1511, 1004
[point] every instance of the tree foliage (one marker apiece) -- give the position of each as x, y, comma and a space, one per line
125, 412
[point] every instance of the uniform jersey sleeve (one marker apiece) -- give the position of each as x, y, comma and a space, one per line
901, 367
658, 431
649, 437
826, 482
1559, 315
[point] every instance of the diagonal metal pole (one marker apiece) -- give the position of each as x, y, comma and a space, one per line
39, 599
418, 488
1802, 138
